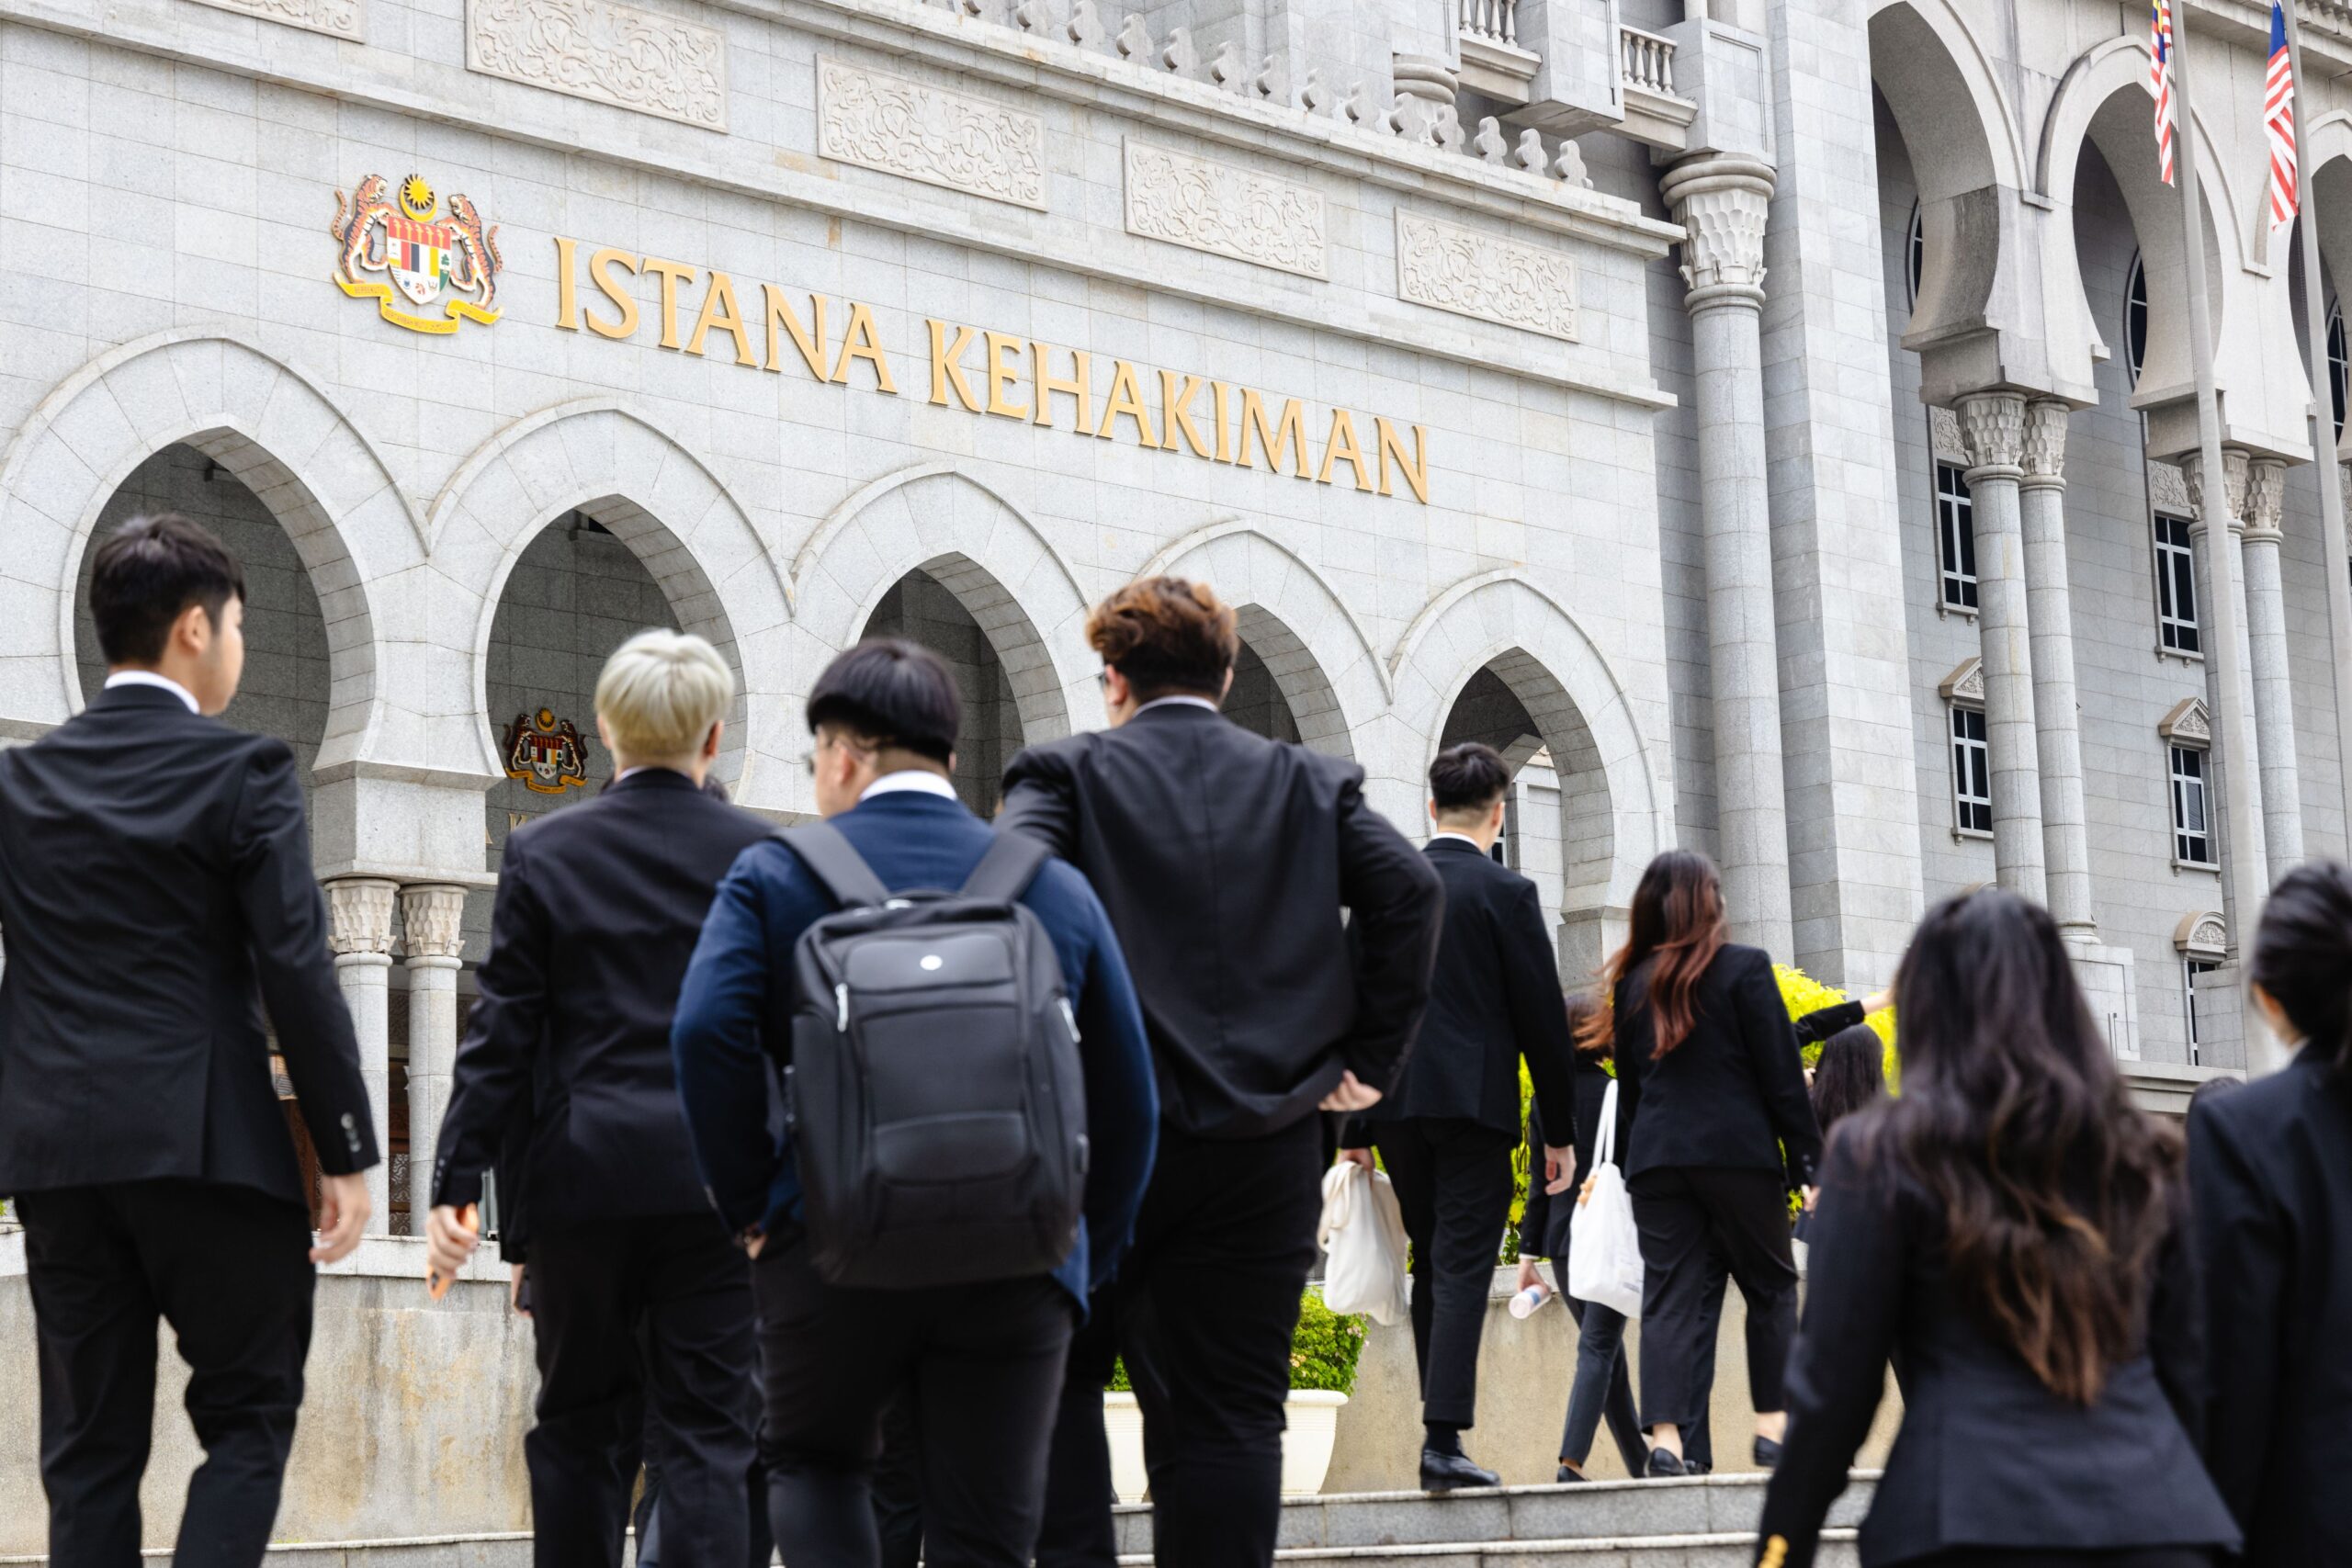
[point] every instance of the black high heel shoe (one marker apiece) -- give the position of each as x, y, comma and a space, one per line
1768, 1454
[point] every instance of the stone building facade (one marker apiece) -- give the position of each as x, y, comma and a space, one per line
1761, 421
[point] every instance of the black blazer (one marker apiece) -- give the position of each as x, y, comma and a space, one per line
1494, 1000
1224, 859
2271, 1166
599, 907
1733, 1094
156, 891
1545, 1224
1987, 1456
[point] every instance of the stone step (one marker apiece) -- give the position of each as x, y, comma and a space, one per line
1728, 1549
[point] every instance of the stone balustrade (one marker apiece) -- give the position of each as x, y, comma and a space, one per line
1645, 61
1495, 20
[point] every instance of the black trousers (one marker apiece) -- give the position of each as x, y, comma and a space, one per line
1694, 1220
1206, 1305
647, 1517
1453, 1186
898, 1485
229, 1269
982, 1368
632, 1314
2127, 1557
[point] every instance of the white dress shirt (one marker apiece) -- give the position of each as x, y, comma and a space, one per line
1450, 833
912, 780
149, 678
1188, 701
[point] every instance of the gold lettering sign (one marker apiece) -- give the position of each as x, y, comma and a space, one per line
980, 371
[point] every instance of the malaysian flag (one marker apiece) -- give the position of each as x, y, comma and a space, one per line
2160, 79
2279, 120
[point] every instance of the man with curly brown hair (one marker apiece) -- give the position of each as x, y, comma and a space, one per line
1225, 861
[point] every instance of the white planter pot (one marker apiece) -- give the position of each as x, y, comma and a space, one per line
1312, 1420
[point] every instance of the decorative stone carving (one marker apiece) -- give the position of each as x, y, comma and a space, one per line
337, 18
1227, 70
911, 129
2266, 494
1085, 28
1964, 687
1179, 56
1569, 166
2234, 466
1993, 426
1472, 273
2045, 442
2202, 935
1490, 144
1272, 83
1943, 434
2169, 490
1530, 155
359, 915
1315, 98
433, 922
1426, 87
1222, 210
1359, 109
605, 52
1720, 204
2187, 724
1135, 39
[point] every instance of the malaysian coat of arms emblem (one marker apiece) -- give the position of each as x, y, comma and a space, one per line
398, 253
546, 752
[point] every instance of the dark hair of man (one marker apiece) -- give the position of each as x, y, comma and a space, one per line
1850, 1076
1584, 1008
2056, 1191
1467, 778
146, 574
890, 694
2302, 956
1167, 637
1677, 918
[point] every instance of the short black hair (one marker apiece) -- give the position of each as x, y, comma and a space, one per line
1468, 777
889, 692
145, 576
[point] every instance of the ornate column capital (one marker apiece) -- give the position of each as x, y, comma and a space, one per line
2234, 483
2266, 496
1722, 204
359, 918
433, 919
2046, 444
1993, 426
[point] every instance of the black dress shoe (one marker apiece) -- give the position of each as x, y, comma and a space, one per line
1664, 1463
1768, 1454
1566, 1475
1451, 1473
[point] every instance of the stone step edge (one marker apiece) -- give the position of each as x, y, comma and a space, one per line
1511, 1548
277, 1547
1742, 1480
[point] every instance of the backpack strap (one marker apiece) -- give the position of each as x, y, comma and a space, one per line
834, 861
1005, 872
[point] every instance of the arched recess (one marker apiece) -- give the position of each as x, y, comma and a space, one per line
272, 427
933, 518
610, 464
1313, 645
2329, 146
1615, 815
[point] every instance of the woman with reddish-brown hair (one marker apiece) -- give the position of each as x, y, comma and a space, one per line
1714, 1130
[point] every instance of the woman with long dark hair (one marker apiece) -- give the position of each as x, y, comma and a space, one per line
2016, 1232
1714, 1131
2271, 1165
1850, 1076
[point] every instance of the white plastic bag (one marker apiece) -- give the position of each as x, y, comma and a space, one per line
1364, 1232
1604, 1249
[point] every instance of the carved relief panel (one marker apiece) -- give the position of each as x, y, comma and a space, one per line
911, 129
1472, 273
1225, 210
605, 52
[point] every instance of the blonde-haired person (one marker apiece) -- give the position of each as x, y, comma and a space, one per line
599, 906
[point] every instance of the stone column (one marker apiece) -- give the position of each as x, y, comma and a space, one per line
2065, 834
359, 930
2274, 697
2238, 758
1721, 203
432, 916
1992, 424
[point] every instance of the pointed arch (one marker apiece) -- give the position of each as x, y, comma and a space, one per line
272, 425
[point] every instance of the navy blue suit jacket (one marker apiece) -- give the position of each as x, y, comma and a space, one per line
734, 1016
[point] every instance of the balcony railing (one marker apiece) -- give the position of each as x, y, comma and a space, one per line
1645, 61
1494, 20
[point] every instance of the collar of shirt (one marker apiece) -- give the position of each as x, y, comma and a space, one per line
1166, 702
149, 678
1449, 833
911, 780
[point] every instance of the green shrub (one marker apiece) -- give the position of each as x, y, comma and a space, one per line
1323, 1349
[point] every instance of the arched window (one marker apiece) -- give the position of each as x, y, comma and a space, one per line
1915, 253
2338, 361
2136, 318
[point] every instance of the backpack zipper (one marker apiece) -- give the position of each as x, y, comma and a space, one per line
841, 1008
1069, 1016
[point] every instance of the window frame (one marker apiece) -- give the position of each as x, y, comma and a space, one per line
1915, 254
2339, 362
2174, 564
1962, 746
2136, 318
2187, 843
1955, 510
2191, 968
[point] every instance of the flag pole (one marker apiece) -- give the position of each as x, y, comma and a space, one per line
2337, 569
2244, 870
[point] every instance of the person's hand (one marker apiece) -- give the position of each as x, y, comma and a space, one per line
1357, 1157
514, 1289
1878, 1001
1527, 1277
448, 1242
1812, 1196
1353, 1094
753, 1238
343, 1217
1559, 1169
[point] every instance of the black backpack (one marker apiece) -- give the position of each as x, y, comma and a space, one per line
936, 1104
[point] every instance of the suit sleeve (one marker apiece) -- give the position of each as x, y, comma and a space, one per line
2242, 1240
286, 922
715, 1040
1396, 908
1837, 1367
1041, 800
1122, 1097
1539, 1016
491, 1083
1780, 1070
2177, 1321
1822, 1022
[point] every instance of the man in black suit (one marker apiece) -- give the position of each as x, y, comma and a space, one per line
1449, 1123
155, 884
1225, 861
637, 1292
